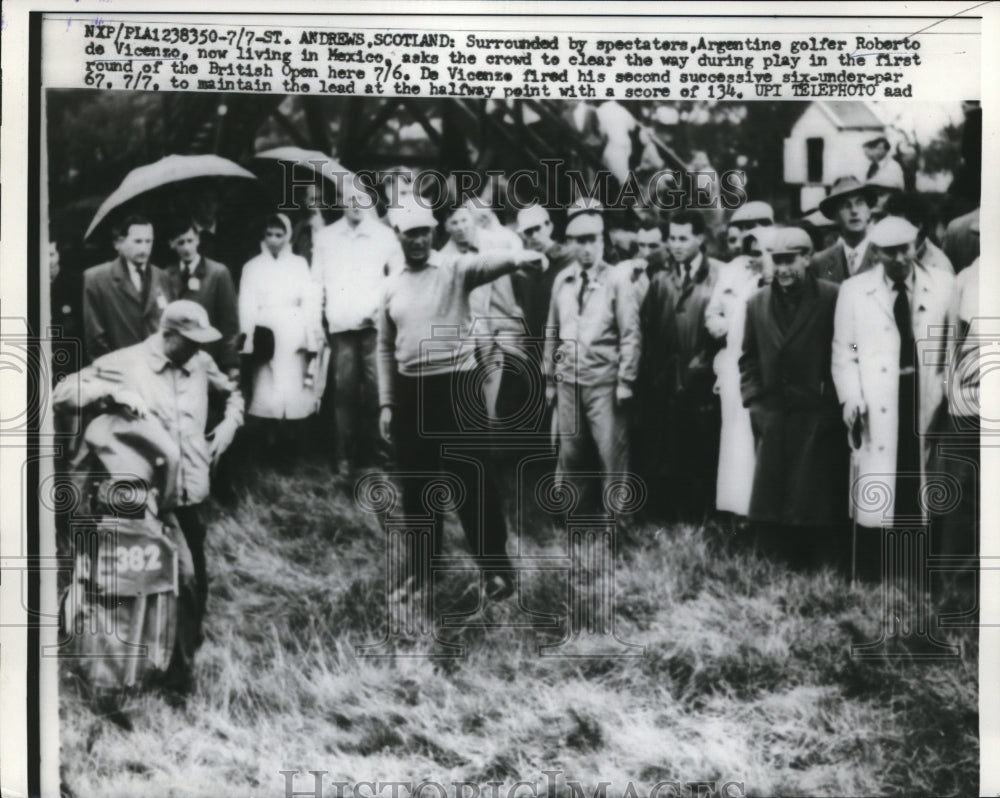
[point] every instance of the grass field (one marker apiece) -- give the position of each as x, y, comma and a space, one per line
747, 678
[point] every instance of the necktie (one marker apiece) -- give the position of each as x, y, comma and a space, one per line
871, 171
901, 310
852, 261
584, 282
687, 277
139, 278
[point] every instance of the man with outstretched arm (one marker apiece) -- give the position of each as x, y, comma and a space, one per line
429, 390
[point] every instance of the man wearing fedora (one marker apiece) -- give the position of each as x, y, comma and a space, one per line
888, 366
849, 204
799, 491
168, 376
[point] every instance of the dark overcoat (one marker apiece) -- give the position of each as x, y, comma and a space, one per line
802, 468
115, 315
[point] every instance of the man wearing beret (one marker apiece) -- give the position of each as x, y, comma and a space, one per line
889, 369
799, 492
169, 376
591, 354
849, 204
428, 383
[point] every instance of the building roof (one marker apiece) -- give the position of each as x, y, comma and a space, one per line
851, 115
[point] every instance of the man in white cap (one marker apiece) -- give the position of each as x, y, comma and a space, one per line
591, 354
889, 370
849, 204
428, 384
799, 477
169, 376
351, 259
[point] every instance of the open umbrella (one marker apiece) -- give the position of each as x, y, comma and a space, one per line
328, 167
171, 169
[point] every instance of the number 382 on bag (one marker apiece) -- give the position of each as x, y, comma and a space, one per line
133, 559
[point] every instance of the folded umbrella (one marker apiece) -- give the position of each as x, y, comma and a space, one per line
171, 169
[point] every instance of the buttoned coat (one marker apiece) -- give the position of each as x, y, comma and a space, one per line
831, 263
800, 477
115, 315
865, 365
673, 326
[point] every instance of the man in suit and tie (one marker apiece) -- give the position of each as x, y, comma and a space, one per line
849, 204
888, 365
123, 298
676, 372
209, 283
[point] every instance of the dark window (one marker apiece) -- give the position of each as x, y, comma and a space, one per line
814, 160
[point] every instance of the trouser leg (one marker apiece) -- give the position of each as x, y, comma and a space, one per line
417, 457
371, 448
609, 428
193, 526
345, 399
481, 514
576, 444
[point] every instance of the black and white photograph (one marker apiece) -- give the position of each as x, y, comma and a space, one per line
433, 418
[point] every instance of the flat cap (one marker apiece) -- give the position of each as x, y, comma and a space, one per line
412, 216
755, 211
790, 239
892, 231
585, 224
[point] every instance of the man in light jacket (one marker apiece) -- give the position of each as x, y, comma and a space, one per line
592, 354
169, 377
888, 364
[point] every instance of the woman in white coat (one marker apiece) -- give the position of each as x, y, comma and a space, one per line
724, 317
278, 294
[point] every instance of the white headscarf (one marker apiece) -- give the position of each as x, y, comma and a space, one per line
287, 247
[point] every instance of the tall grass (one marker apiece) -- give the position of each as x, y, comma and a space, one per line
747, 677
